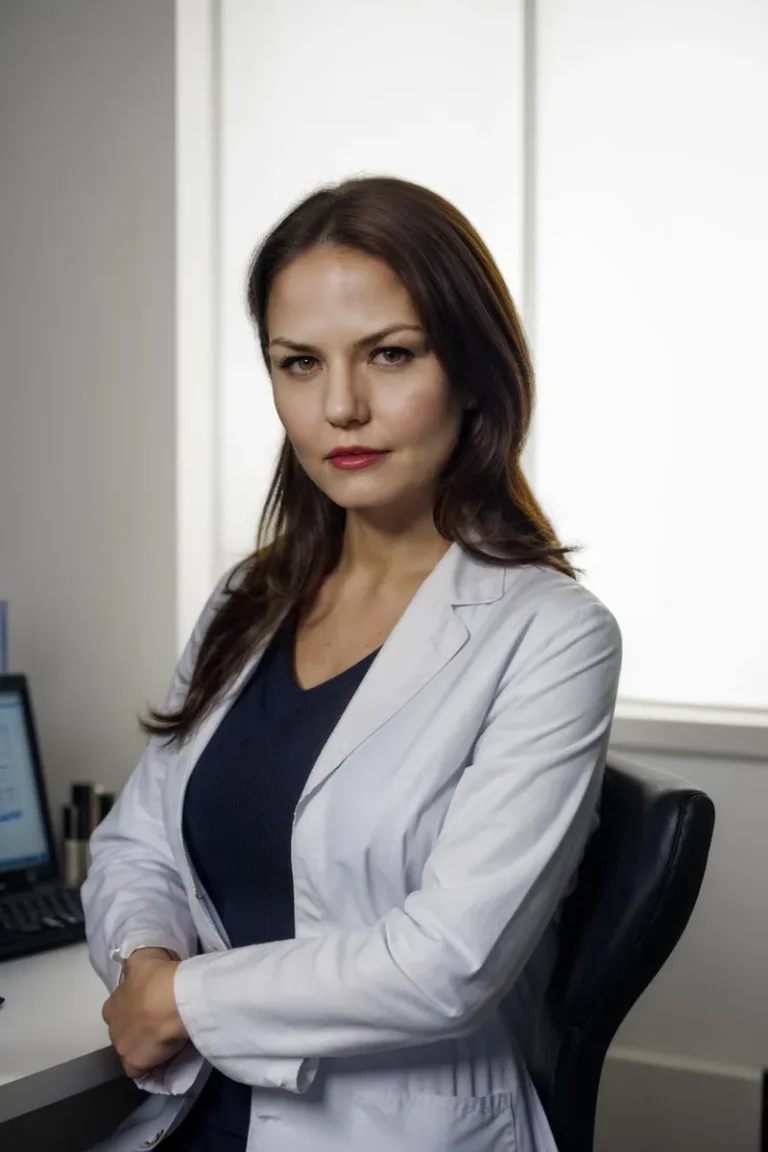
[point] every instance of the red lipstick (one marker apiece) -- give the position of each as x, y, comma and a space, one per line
355, 456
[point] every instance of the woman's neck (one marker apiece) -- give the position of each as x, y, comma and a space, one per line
376, 551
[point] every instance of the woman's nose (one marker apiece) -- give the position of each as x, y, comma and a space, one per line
345, 398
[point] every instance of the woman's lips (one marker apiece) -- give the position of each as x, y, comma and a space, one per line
356, 460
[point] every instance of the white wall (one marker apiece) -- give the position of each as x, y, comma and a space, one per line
87, 372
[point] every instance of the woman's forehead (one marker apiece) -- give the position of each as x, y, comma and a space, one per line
347, 290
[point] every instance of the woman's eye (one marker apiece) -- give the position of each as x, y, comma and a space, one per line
302, 363
394, 357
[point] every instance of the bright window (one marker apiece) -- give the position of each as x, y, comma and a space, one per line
651, 442
646, 245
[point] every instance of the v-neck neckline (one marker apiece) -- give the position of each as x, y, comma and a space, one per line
287, 657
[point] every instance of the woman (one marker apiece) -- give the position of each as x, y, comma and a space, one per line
372, 782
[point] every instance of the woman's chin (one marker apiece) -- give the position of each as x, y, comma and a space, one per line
360, 492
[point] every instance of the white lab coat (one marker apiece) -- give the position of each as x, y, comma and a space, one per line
433, 843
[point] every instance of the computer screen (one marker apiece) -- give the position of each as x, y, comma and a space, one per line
23, 840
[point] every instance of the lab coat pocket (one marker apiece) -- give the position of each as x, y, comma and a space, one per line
427, 1122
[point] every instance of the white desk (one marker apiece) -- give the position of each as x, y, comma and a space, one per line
53, 1041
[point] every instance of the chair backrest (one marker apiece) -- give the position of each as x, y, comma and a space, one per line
637, 886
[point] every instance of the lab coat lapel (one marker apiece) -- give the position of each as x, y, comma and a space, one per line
422, 642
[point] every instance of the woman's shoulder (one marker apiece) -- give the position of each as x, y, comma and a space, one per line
551, 603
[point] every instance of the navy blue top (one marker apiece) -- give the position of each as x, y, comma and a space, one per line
237, 824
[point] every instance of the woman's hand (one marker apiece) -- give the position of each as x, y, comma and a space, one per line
144, 1024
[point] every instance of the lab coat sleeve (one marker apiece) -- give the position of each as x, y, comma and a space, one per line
133, 896
513, 836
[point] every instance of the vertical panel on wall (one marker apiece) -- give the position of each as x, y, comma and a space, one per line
652, 296
430, 90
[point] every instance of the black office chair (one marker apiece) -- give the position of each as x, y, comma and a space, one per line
637, 886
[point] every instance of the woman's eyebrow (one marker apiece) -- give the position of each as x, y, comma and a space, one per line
372, 339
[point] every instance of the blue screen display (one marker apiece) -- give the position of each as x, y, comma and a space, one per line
23, 842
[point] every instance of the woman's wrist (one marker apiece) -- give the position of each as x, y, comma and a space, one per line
153, 953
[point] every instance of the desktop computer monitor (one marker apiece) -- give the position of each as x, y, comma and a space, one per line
27, 852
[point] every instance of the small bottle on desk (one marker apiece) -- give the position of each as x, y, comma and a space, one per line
76, 836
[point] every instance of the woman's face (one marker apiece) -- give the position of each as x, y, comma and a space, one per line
351, 367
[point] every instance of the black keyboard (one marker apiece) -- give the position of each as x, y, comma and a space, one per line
35, 921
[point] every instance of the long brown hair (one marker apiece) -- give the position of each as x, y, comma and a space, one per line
476, 333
